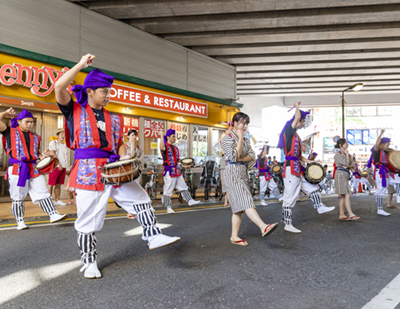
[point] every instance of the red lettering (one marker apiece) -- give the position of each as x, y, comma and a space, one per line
36, 74
28, 79
11, 73
53, 79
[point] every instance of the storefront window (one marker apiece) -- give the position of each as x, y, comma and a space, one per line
182, 137
151, 149
385, 111
353, 111
217, 135
368, 111
200, 143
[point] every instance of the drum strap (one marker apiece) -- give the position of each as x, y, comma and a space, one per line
24, 173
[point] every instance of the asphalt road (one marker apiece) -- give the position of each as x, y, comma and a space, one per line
332, 264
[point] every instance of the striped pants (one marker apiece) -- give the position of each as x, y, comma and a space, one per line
293, 185
37, 190
92, 208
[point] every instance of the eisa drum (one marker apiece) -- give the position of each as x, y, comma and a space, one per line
364, 174
277, 169
187, 162
47, 165
394, 161
314, 173
120, 172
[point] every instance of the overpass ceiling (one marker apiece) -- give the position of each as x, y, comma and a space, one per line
280, 47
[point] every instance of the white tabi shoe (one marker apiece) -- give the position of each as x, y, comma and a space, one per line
323, 209
21, 225
161, 240
193, 202
60, 203
91, 271
57, 217
280, 199
263, 203
170, 210
383, 213
398, 199
290, 228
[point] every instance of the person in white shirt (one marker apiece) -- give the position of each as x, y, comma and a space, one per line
57, 177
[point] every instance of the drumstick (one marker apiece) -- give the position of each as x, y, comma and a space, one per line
90, 59
292, 107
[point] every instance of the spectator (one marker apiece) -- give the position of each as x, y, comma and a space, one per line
57, 177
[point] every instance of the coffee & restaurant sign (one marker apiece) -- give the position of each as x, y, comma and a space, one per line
153, 100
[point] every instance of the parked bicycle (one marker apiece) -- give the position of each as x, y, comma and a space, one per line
208, 176
151, 185
218, 189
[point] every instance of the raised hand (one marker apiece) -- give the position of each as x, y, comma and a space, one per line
10, 112
86, 60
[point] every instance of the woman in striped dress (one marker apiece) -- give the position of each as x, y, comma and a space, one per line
239, 158
341, 174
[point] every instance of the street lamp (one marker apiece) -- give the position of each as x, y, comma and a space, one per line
355, 87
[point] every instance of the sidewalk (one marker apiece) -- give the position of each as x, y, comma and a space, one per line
33, 212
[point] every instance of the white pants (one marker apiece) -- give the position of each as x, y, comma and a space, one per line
293, 185
394, 181
35, 187
170, 183
92, 205
379, 189
362, 180
264, 184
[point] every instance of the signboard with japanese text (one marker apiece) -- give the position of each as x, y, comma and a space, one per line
182, 131
130, 123
153, 100
152, 127
202, 138
365, 137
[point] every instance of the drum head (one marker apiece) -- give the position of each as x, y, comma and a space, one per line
276, 169
315, 172
44, 162
118, 163
394, 158
187, 161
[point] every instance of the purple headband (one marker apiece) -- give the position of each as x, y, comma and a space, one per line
95, 79
21, 115
262, 149
281, 142
169, 133
384, 140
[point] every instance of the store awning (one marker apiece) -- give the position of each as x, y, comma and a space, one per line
308, 136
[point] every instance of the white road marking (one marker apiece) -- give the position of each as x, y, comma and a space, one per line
388, 298
18, 283
138, 230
